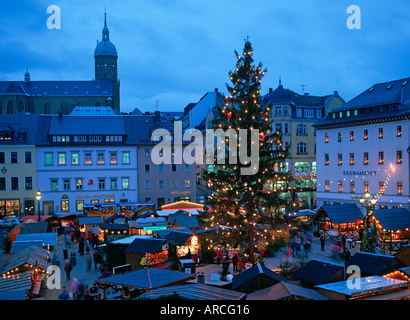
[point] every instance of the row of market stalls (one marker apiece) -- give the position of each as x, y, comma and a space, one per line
392, 225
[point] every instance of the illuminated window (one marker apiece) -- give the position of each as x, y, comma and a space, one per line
381, 157
351, 135
365, 134
352, 188
339, 159
61, 158
400, 188
381, 187
327, 186
113, 157
366, 186
365, 158
326, 137
352, 159
65, 206
399, 131
326, 159
380, 133
101, 158
75, 158
340, 186
399, 157
87, 158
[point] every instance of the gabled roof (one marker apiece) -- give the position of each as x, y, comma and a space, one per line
113, 226
145, 246
283, 290
255, 271
341, 213
183, 219
36, 227
32, 256
371, 263
20, 245
90, 220
318, 271
179, 238
117, 215
393, 219
49, 238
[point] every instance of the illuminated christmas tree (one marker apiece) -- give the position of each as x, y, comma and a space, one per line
240, 201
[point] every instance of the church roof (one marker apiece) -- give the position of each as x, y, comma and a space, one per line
105, 48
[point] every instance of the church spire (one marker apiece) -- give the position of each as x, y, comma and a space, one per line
105, 32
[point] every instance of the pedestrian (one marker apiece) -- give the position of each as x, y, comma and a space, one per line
344, 241
74, 287
199, 255
377, 249
235, 262
63, 295
94, 292
240, 266
346, 255
67, 268
87, 293
218, 255
81, 290
297, 246
322, 242
81, 246
87, 245
88, 261
67, 240
97, 258
225, 266
306, 245
189, 254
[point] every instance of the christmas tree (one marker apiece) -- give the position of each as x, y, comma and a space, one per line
241, 200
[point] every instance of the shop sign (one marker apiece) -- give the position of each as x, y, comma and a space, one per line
154, 228
359, 172
179, 193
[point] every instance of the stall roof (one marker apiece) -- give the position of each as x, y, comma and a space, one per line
163, 233
284, 289
113, 226
373, 264
302, 213
179, 238
147, 222
12, 283
317, 271
34, 217
166, 213
253, 272
20, 245
145, 246
32, 255
90, 220
117, 215
147, 278
393, 219
36, 227
196, 291
49, 238
183, 219
373, 284
341, 213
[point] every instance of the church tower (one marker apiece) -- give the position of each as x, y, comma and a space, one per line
106, 56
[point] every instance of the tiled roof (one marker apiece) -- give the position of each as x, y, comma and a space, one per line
317, 271
393, 219
32, 255
372, 264
145, 245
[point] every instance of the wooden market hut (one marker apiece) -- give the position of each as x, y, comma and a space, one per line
256, 278
89, 223
393, 227
340, 217
152, 250
183, 219
113, 229
27, 227
317, 272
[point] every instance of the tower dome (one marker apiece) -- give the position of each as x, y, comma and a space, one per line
105, 47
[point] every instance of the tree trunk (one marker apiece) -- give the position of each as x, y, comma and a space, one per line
251, 245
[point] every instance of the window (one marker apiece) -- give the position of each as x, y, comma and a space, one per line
339, 137
13, 157
351, 135
75, 158
161, 167
399, 157
366, 187
301, 167
398, 131
286, 128
299, 112
54, 184
187, 168
301, 148
79, 205
339, 159
278, 111
174, 168
146, 152
318, 113
66, 184
187, 183
365, 134
2, 183
309, 113
65, 206
125, 183
381, 157
113, 183
352, 159
380, 133
278, 127
61, 158
174, 183
365, 158
101, 184
147, 168
87, 158
352, 189
147, 184
113, 157
160, 184
101, 159
2, 157
327, 186
340, 186
48, 159
301, 130
126, 158
28, 183
79, 184
399, 188
285, 111
27, 157
381, 187
326, 137
327, 159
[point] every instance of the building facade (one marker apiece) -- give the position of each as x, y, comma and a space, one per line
364, 146
293, 115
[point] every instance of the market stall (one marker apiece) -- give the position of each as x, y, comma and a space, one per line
146, 252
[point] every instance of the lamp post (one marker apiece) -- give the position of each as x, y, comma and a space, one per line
369, 205
38, 197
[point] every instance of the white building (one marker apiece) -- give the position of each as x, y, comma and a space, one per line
364, 146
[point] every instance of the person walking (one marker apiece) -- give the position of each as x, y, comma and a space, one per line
235, 262
97, 258
322, 242
87, 293
63, 295
67, 268
88, 261
218, 255
344, 241
74, 287
225, 266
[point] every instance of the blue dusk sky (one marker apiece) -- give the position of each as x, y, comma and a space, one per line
173, 52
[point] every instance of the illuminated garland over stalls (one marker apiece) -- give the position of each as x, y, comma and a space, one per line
241, 201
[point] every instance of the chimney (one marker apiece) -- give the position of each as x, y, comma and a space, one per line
157, 117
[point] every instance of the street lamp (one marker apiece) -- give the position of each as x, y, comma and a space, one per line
38, 197
369, 205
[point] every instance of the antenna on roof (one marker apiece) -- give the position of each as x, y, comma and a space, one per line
156, 104
303, 85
